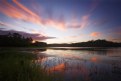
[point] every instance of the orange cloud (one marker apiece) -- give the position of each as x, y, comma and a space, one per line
11, 11
14, 12
23, 13
34, 17
95, 34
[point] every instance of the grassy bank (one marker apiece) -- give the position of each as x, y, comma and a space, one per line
18, 66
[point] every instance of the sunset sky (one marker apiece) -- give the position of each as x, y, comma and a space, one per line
62, 21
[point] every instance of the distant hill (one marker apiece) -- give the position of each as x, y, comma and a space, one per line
92, 43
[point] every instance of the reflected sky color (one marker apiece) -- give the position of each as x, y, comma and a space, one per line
83, 65
59, 67
73, 20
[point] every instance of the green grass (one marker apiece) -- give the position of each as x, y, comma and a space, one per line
18, 66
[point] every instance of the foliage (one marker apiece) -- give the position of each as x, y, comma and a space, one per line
18, 66
17, 40
40, 44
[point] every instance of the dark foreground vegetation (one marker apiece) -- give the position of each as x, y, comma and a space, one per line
92, 43
20, 66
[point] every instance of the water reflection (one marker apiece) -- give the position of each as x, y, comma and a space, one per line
83, 65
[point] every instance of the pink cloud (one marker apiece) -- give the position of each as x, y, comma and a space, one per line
95, 34
79, 24
85, 20
23, 13
11, 26
6, 24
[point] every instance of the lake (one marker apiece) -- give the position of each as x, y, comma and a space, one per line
82, 64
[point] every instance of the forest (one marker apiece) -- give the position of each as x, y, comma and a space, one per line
17, 40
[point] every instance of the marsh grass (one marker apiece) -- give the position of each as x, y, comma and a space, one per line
18, 66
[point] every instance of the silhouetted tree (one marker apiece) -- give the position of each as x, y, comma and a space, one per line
41, 44
17, 40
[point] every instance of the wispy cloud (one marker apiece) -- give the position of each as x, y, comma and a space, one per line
102, 21
9, 26
94, 5
11, 11
34, 17
85, 18
84, 21
23, 13
6, 24
95, 34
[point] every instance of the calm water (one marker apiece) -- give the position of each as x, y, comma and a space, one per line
100, 64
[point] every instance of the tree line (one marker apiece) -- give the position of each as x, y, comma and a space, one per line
92, 43
17, 40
